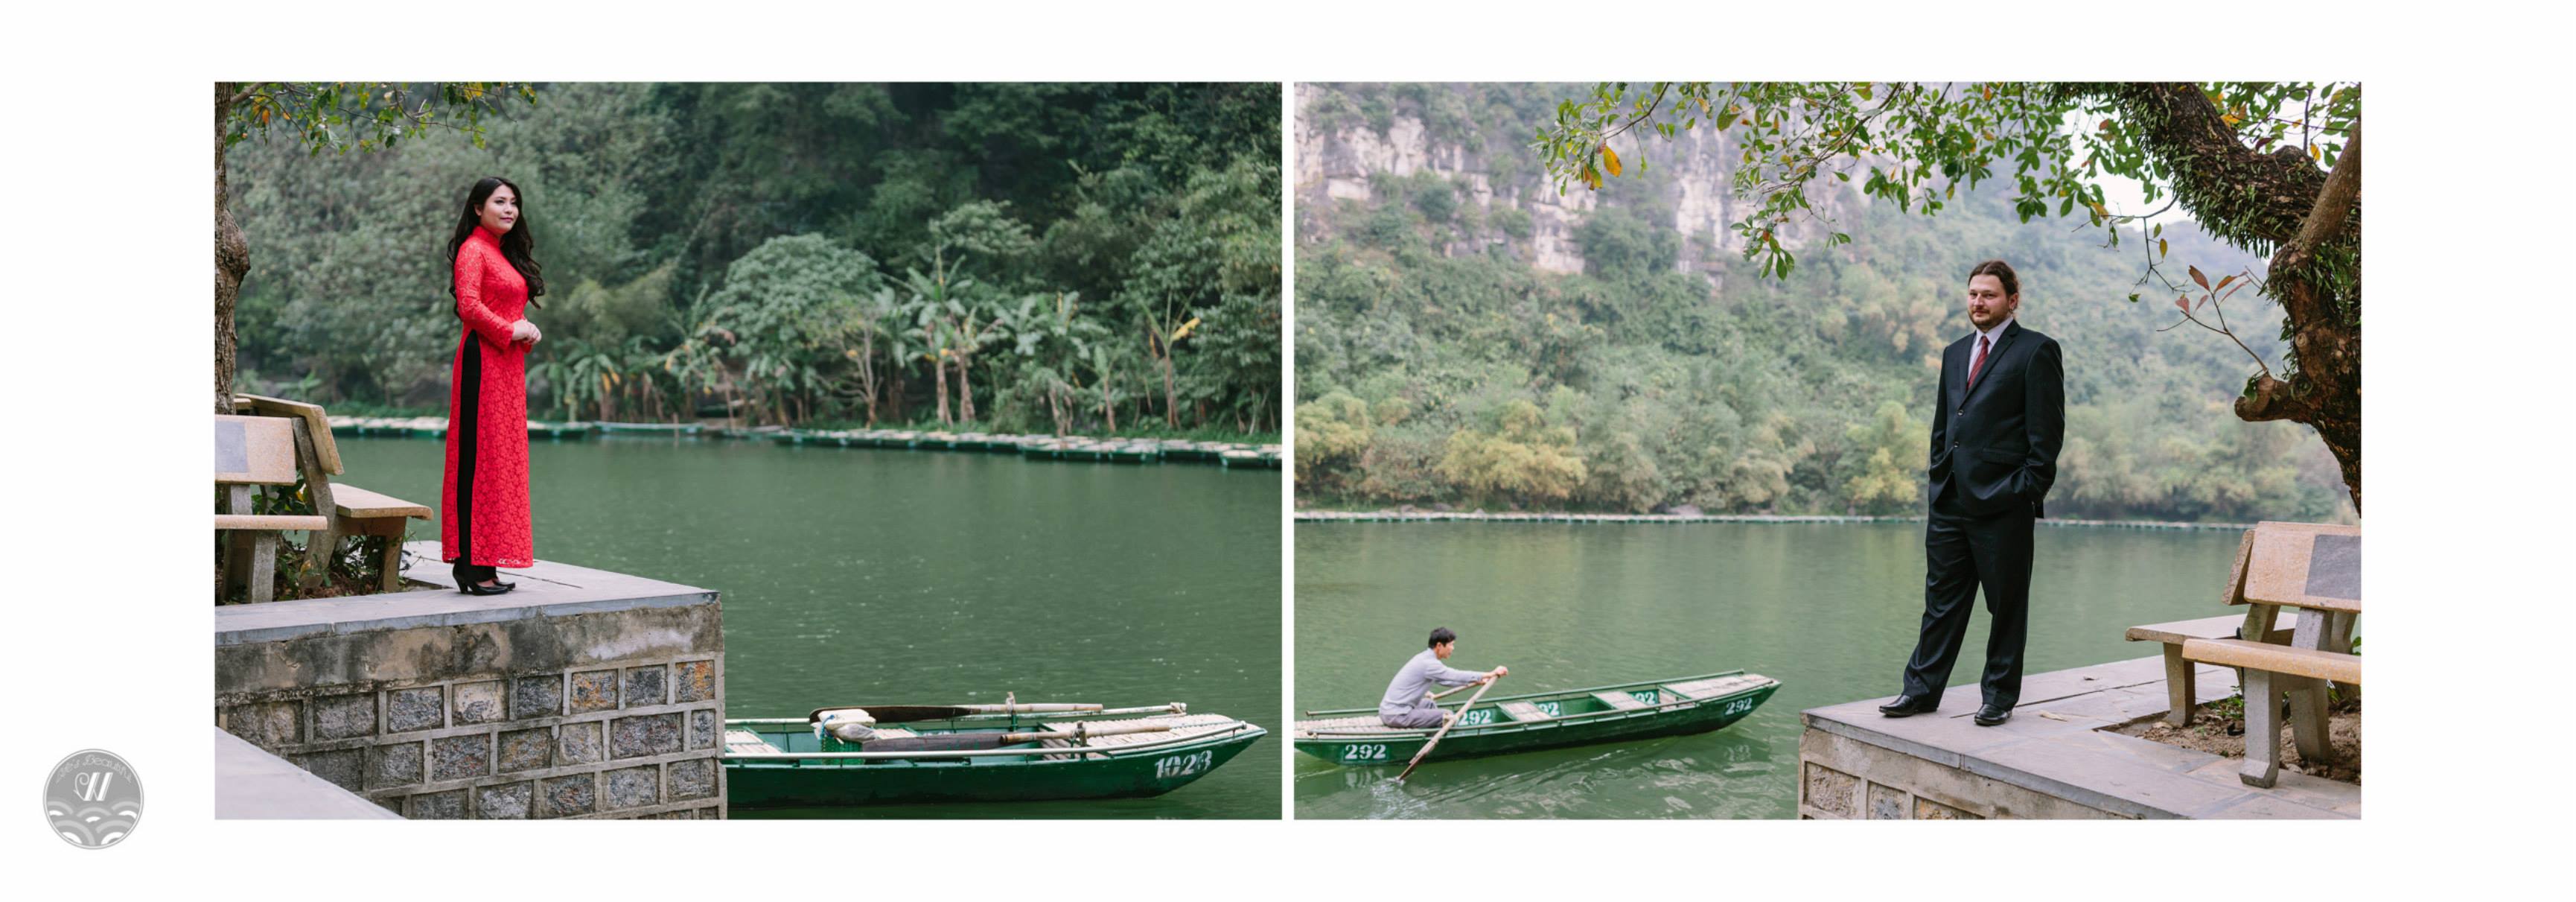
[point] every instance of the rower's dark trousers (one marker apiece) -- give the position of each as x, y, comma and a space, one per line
1962, 553
1424, 715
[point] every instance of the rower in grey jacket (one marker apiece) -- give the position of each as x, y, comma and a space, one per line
1408, 703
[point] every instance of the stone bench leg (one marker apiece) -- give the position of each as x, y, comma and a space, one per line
2180, 693
392, 565
321, 545
2262, 730
2341, 629
2308, 695
250, 556
2308, 719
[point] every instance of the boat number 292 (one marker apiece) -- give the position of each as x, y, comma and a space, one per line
1738, 706
1366, 751
1184, 765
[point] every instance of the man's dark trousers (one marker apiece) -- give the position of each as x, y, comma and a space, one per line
1962, 553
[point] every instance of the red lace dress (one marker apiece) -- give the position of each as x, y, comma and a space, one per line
483, 503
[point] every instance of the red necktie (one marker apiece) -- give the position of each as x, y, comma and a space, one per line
1980, 365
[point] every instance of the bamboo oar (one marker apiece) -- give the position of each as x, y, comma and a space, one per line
1086, 731
1444, 728
1453, 690
916, 713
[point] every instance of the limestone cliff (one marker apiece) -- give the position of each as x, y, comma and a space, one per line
1350, 138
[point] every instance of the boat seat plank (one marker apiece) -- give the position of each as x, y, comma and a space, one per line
1714, 687
1525, 712
741, 741
1620, 700
1365, 723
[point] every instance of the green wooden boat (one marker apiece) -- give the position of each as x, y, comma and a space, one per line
1543, 720
974, 753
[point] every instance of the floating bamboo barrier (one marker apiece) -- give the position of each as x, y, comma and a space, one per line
1232, 455
1399, 516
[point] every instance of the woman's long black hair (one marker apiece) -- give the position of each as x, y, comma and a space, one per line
517, 244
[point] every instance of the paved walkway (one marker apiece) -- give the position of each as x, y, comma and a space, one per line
253, 784
2057, 744
550, 587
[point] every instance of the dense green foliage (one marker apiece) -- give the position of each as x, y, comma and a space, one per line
1437, 365
2265, 167
1022, 256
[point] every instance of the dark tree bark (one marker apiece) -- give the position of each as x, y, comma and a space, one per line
2310, 224
232, 258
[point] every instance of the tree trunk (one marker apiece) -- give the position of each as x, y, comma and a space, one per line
1171, 399
965, 389
1162, 353
868, 372
939, 371
232, 258
895, 409
938, 368
2310, 224
2325, 391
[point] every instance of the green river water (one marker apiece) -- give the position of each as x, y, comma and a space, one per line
1830, 610
856, 575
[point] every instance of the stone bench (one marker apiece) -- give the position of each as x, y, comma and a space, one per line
2181, 679
2311, 571
301, 432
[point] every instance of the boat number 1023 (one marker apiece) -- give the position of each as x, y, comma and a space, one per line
1184, 765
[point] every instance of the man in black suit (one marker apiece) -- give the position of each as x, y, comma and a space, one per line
1996, 428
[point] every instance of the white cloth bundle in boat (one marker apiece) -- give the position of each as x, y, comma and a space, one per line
845, 724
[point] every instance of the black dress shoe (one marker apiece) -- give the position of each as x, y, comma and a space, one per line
480, 589
1990, 715
1909, 705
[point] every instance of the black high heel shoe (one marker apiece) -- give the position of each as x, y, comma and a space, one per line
470, 579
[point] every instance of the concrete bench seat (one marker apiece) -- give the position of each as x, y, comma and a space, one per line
271, 522
2310, 663
367, 513
2181, 679
360, 504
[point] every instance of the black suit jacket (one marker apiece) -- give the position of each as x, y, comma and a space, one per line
1997, 441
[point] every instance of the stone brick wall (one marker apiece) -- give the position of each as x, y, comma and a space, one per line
572, 711
1843, 779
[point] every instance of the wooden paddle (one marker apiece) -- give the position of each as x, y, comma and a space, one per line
1453, 690
917, 713
1444, 728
